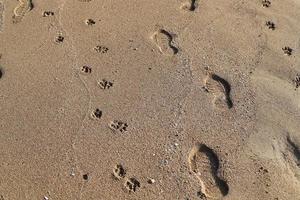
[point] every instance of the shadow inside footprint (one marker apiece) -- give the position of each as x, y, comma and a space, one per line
204, 162
294, 148
191, 6
227, 89
163, 40
214, 163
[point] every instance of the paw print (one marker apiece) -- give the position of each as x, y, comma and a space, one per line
104, 84
90, 22
266, 3
119, 172
118, 126
101, 49
48, 13
59, 39
86, 69
270, 25
132, 184
97, 114
297, 81
287, 51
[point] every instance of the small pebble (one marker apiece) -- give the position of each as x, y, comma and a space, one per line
151, 181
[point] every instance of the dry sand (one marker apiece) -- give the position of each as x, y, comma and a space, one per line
140, 99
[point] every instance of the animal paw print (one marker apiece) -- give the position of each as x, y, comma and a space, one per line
297, 81
96, 114
118, 126
132, 184
266, 3
270, 25
287, 51
119, 172
59, 39
48, 13
104, 84
86, 69
90, 22
101, 49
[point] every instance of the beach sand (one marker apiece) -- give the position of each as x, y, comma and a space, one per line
139, 99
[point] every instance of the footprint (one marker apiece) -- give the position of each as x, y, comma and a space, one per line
220, 89
84, 0
190, 6
119, 172
48, 13
104, 84
287, 51
89, 22
205, 164
163, 40
266, 3
118, 126
294, 150
21, 10
59, 39
86, 69
296, 81
270, 25
132, 184
101, 49
1, 73
96, 114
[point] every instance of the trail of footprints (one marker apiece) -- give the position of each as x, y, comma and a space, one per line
130, 184
204, 163
288, 51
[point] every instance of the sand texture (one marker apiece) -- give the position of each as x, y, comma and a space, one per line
149, 99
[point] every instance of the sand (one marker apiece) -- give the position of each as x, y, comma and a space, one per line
139, 99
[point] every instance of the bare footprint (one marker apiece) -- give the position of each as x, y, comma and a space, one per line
205, 164
163, 40
191, 5
21, 10
220, 89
